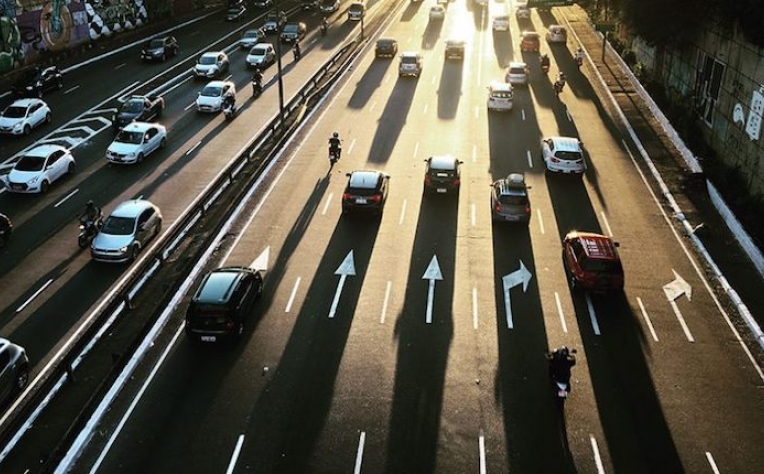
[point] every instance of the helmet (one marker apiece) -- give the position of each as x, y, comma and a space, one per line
335, 135
564, 351
90, 203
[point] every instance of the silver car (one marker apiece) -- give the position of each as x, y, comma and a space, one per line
14, 369
126, 231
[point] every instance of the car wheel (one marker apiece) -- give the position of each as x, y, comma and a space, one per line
22, 379
134, 252
139, 158
48, 118
27, 129
44, 187
70, 169
163, 143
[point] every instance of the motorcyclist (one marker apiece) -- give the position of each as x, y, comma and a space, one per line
297, 51
229, 104
91, 215
544, 61
579, 55
561, 360
335, 144
324, 26
257, 81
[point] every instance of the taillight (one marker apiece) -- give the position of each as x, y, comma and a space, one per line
456, 182
229, 324
346, 197
497, 207
427, 179
554, 159
527, 209
375, 198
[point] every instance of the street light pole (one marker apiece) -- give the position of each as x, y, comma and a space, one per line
280, 24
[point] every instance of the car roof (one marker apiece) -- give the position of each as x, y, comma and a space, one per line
516, 64
212, 54
218, 83
218, 285
566, 143
387, 40
26, 102
443, 162
501, 86
530, 34
131, 208
44, 150
262, 45
364, 179
410, 54
595, 245
455, 42
513, 184
139, 126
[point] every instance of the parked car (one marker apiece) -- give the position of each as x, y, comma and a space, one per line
37, 81
128, 229
211, 97
501, 96
356, 11
23, 115
442, 175
366, 192
293, 31
563, 155
500, 22
212, 64
517, 74
6, 229
222, 304
14, 369
437, 13
592, 262
410, 64
235, 13
557, 34
135, 142
261, 55
529, 41
138, 108
329, 6
251, 37
509, 199
455, 48
386, 47
160, 49
38, 168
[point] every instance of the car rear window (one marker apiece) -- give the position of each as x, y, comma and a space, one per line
517, 70
612, 267
118, 226
513, 199
568, 155
408, 60
362, 191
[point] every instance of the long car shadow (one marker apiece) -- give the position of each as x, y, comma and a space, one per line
450, 89
368, 83
393, 119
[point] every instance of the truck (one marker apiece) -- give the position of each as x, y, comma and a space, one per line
138, 108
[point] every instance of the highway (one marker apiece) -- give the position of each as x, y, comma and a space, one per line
356, 377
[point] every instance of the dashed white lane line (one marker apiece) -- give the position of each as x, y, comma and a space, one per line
530, 158
481, 447
712, 463
416, 149
592, 315
647, 319
567, 113
403, 212
293, 295
607, 224
560, 312
682, 322
196, 145
35, 295
373, 105
70, 90
382, 316
326, 205
119, 66
66, 198
474, 308
522, 113
424, 110
541, 221
597, 457
350, 148
472, 214
235, 455
359, 453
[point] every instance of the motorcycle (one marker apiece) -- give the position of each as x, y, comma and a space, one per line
558, 86
545, 64
560, 376
579, 61
88, 231
257, 89
334, 155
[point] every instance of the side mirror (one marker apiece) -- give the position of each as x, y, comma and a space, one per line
347, 174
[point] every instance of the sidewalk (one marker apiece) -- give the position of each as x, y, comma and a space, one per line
688, 189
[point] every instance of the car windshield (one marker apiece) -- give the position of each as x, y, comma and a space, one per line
233, 11
133, 138
513, 199
15, 112
257, 52
133, 106
207, 60
568, 155
30, 163
156, 43
212, 91
250, 34
291, 28
517, 70
118, 225
408, 59
356, 7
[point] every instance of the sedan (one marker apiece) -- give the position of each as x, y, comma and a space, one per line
365, 192
212, 64
235, 13
437, 13
38, 168
251, 37
329, 6
211, 97
442, 174
386, 47
126, 231
135, 142
23, 115
37, 81
14, 369
563, 155
517, 74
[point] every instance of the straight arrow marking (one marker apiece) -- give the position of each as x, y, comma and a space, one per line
346, 268
432, 273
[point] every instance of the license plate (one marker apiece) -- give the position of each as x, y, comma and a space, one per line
360, 200
441, 190
17, 187
209, 338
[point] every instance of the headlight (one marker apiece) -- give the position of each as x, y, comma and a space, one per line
131, 154
33, 180
18, 126
123, 249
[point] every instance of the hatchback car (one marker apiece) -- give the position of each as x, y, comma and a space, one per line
38, 168
517, 74
557, 34
126, 231
211, 98
356, 11
442, 174
293, 32
251, 37
329, 6
529, 41
366, 192
592, 262
509, 199
222, 303
23, 115
437, 13
563, 155
500, 22
410, 64
235, 13
159, 49
386, 47
135, 142
14, 369
270, 26
455, 48
37, 81
212, 64
501, 96
261, 55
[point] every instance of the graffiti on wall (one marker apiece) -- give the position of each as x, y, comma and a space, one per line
31, 28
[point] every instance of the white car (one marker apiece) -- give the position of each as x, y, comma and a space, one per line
437, 13
517, 74
23, 115
135, 142
500, 96
557, 34
38, 168
563, 155
523, 12
500, 22
211, 97
211, 64
126, 231
251, 37
261, 55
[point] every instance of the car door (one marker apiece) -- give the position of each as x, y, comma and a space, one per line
151, 139
222, 62
144, 227
53, 166
35, 114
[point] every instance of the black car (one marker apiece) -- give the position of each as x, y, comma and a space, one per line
159, 49
6, 228
37, 81
510, 201
14, 369
263, 3
386, 47
235, 13
442, 174
222, 303
138, 108
366, 191
293, 32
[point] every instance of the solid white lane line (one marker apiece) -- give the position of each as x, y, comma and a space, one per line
388, 286
607, 224
326, 205
474, 153
647, 319
352, 144
416, 149
567, 113
359, 453
597, 457
373, 104
189, 106
196, 145
530, 158
541, 221
472, 214
559, 311
712, 463
403, 212
481, 447
592, 316
474, 308
36, 293
66, 198
235, 455
293, 295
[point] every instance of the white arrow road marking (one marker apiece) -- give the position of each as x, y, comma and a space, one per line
674, 290
510, 280
261, 262
592, 315
347, 267
432, 273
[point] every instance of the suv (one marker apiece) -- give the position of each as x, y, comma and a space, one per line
212, 64
592, 262
455, 49
14, 369
509, 200
366, 191
529, 41
517, 73
356, 11
293, 32
500, 96
160, 49
442, 174
222, 303
563, 155
557, 34
410, 64
386, 47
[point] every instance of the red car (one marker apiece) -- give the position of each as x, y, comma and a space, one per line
592, 262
